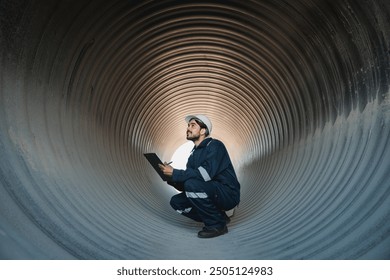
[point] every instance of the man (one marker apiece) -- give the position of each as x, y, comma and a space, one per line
209, 184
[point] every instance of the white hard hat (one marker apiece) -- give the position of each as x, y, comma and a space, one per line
201, 118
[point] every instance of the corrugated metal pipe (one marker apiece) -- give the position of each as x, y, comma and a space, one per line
297, 90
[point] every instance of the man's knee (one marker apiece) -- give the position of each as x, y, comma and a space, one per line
196, 189
175, 202
192, 185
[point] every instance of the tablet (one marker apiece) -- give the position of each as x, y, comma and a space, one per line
154, 160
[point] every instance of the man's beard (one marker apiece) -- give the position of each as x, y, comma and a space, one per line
193, 137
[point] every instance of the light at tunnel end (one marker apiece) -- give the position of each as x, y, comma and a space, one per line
181, 154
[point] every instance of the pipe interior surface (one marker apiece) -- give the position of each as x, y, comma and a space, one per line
298, 91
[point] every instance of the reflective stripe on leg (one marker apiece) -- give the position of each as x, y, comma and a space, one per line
187, 210
196, 194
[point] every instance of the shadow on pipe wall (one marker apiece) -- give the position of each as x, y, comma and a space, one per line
299, 93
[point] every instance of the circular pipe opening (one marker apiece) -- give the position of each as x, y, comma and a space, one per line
298, 93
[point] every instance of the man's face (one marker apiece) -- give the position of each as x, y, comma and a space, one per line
193, 131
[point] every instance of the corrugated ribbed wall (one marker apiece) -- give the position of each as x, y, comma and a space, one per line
297, 90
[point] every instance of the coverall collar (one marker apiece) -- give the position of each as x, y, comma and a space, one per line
203, 143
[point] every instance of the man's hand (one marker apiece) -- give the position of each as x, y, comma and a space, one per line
166, 169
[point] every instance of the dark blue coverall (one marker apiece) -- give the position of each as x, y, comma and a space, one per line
209, 184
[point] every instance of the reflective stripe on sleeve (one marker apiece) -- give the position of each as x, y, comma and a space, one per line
204, 174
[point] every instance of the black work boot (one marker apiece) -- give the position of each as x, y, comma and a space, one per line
212, 232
